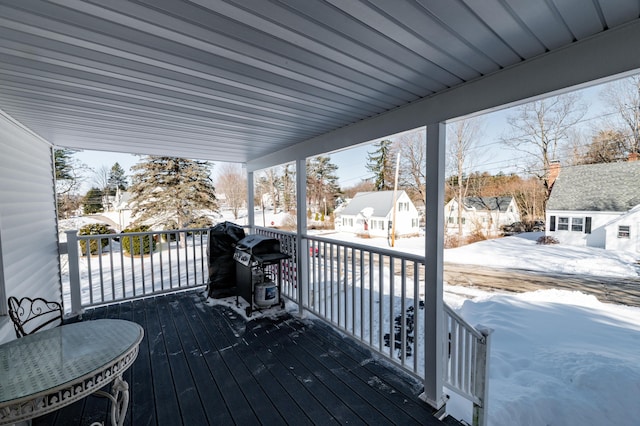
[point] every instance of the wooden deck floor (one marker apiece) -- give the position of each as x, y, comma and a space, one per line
205, 365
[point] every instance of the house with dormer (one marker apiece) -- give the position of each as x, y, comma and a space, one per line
484, 215
372, 213
597, 205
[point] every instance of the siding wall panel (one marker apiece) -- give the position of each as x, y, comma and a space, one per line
30, 260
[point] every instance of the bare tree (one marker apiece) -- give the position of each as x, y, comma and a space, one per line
412, 174
288, 188
623, 99
362, 186
540, 128
462, 136
101, 177
232, 182
607, 146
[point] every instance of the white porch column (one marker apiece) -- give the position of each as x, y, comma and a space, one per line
434, 245
74, 272
251, 216
301, 229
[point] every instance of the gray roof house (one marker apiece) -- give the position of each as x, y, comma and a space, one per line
481, 214
595, 205
371, 213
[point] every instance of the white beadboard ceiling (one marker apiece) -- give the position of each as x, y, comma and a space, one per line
245, 80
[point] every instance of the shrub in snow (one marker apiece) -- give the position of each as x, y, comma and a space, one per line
94, 229
138, 244
547, 239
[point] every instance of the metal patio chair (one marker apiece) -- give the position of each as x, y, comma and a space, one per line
31, 315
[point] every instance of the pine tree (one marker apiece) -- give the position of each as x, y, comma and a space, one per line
92, 202
380, 164
166, 189
322, 182
117, 178
63, 164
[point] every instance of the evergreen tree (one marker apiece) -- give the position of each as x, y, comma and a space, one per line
380, 163
63, 164
322, 182
117, 178
92, 202
167, 189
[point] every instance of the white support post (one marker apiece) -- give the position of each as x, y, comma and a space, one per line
482, 378
301, 228
74, 272
434, 258
251, 213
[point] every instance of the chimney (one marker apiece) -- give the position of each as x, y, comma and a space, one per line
633, 156
554, 171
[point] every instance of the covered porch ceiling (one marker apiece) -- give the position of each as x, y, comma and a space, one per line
264, 82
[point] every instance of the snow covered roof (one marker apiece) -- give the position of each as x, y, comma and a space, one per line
377, 203
487, 203
597, 187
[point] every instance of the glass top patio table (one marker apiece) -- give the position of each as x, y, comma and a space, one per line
45, 371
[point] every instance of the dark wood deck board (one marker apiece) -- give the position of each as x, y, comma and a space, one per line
200, 364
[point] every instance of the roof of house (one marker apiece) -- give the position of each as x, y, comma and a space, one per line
487, 203
379, 201
597, 187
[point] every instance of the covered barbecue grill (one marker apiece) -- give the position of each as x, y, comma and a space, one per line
257, 260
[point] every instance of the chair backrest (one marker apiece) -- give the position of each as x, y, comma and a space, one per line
31, 315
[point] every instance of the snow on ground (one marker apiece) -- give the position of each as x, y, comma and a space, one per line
557, 357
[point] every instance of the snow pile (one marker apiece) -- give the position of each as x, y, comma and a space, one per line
559, 358
522, 252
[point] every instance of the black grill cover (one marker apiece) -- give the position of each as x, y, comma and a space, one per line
223, 238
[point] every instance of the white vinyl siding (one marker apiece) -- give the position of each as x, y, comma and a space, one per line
28, 227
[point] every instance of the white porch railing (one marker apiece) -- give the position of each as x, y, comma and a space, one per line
110, 274
377, 297
372, 294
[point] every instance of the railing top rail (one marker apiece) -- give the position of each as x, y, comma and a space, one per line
449, 311
378, 250
118, 234
275, 231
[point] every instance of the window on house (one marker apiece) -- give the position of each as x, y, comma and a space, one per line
624, 231
577, 224
552, 223
415, 223
377, 224
563, 224
450, 220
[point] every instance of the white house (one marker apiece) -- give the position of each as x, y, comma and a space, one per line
481, 214
371, 214
597, 205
